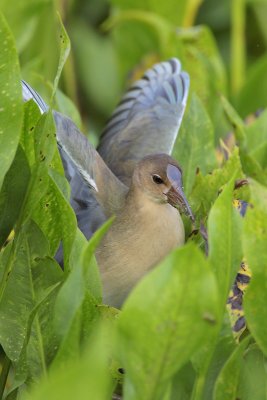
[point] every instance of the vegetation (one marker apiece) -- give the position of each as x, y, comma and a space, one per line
174, 337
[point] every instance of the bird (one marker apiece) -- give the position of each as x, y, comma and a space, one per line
131, 175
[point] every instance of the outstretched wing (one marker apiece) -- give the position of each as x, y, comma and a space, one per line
147, 119
79, 155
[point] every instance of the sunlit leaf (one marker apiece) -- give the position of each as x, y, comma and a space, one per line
226, 386
225, 245
19, 293
88, 377
254, 243
13, 193
11, 108
253, 377
207, 188
194, 148
155, 323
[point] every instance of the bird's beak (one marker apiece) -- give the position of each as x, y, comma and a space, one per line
177, 199
175, 195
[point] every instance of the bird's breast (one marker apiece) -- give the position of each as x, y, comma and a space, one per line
133, 246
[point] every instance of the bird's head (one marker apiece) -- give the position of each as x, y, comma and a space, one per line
160, 178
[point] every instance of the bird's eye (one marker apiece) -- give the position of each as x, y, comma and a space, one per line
157, 179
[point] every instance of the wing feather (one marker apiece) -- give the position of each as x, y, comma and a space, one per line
79, 155
147, 119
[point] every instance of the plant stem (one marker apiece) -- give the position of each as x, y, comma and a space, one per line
4, 375
238, 49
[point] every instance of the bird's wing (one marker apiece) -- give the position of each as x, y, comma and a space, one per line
79, 155
146, 120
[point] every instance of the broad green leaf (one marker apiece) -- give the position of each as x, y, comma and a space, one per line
250, 164
160, 316
209, 359
226, 386
194, 148
31, 118
44, 139
44, 149
254, 244
83, 323
82, 282
45, 202
69, 300
41, 342
56, 218
91, 271
253, 375
69, 348
85, 378
182, 383
19, 293
13, 193
225, 241
11, 108
206, 188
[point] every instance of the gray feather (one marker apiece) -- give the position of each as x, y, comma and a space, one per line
92, 183
147, 120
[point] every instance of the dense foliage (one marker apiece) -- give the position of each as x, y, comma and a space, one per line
174, 337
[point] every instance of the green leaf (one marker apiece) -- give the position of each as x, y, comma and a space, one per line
31, 118
69, 300
182, 383
254, 244
250, 164
39, 177
247, 101
256, 134
225, 242
235, 120
11, 109
64, 53
56, 218
44, 139
194, 148
13, 193
152, 37
162, 312
25, 14
202, 60
253, 377
209, 362
206, 188
68, 108
85, 378
182, 13
22, 286
91, 270
41, 342
83, 282
226, 386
